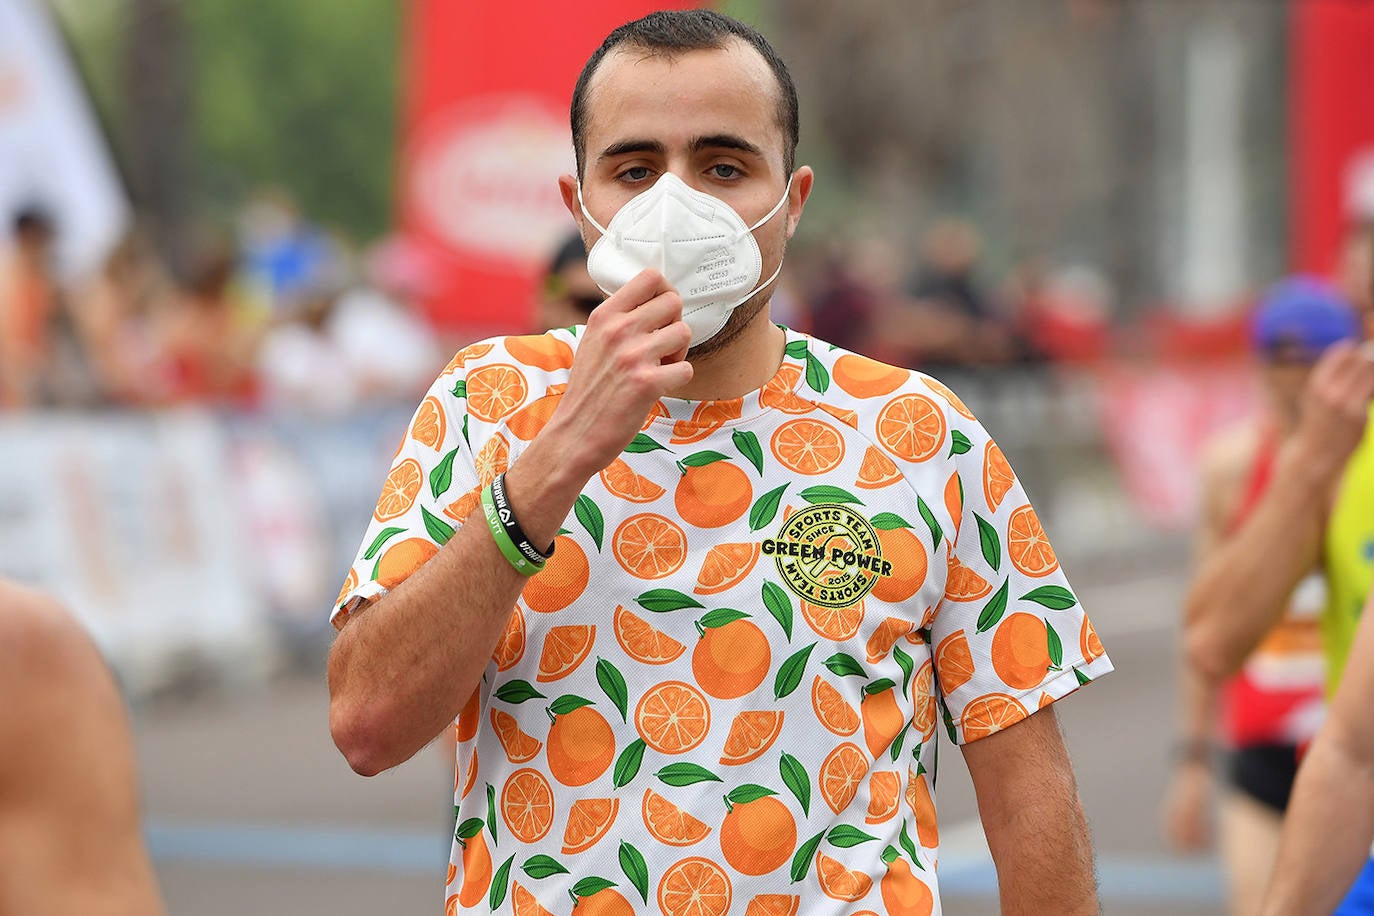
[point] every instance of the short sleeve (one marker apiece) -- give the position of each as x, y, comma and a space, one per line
431, 488
1009, 636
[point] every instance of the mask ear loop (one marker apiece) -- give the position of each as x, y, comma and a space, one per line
591, 219
769, 215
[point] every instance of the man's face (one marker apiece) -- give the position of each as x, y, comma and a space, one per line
710, 118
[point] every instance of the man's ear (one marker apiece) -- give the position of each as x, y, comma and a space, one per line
802, 180
567, 187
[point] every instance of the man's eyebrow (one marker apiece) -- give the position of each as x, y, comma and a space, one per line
725, 141
623, 147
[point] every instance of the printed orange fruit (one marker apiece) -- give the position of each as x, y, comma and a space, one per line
953, 399
832, 710
463, 506
953, 662
848, 417
833, 623
1088, 643
349, 584
954, 502
469, 717
759, 836
581, 746
642, 642
998, 478
773, 905
562, 580
1027, 547
912, 427
564, 649
649, 546
841, 772
991, 713
886, 636
1020, 651
471, 351
867, 378
673, 717
542, 351
472, 775
530, 420
752, 733
840, 883
493, 459
605, 902
668, 823
725, 566
807, 446
658, 410
962, 583
909, 560
1045, 700
620, 481
399, 491
903, 893
922, 809
511, 647
780, 391
713, 495
731, 660
476, 871
519, 747
709, 417
884, 796
452, 873
494, 391
883, 720
924, 706
401, 559
877, 470
527, 805
430, 424
523, 903
589, 819
694, 887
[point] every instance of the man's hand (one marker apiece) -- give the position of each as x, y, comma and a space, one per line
1335, 408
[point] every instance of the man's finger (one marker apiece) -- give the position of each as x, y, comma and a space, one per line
660, 311
642, 287
669, 344
672, 376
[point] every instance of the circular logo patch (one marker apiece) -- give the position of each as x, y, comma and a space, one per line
828, 555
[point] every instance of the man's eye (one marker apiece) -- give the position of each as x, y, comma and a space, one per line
725, 171
635, 173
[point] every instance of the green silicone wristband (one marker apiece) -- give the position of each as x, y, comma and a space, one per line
498, 533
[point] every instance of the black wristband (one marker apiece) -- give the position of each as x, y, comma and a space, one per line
517, 534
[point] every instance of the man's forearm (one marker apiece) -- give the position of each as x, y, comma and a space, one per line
1044, 859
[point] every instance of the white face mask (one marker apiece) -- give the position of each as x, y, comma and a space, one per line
698, 242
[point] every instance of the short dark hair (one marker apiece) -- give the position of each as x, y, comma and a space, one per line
673, 32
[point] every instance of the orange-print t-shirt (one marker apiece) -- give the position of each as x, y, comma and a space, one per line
723, 693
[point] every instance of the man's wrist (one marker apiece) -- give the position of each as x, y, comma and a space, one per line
542, 485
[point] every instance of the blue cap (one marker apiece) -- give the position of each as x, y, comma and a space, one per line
1300, 317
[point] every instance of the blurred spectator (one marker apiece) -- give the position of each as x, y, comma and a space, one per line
208, 347
28, 306
301, 365
843, 304
283, 255
567, 294
1064, 316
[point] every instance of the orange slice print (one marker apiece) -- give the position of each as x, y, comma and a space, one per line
780, 391
349, 584
523, 903
867, 378
954, 502
832, 710
430, 424
511, 647
725, 566
494, 391
519, 747
840, 883
401, 559
540, 351
493, 459
751, 734
849, 418
463, 506
877, 470
998, 478
472, 775
709, 417
774, 905
953, 399
808, 446
673, 717
669, 824
989, 714
624, 483
472, 351
923, 701
923, 809
694, 887
962, 583
1027, 546
530, 420
399, 491
912, 427
658, 410
649, 546
527, 805
884, 796
642, 642
883, 638
840, 774
469, 717
589, 819
1088, 643
953, 662
833, 623
564, 649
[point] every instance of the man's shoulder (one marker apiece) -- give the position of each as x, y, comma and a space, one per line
867, 385
529, 355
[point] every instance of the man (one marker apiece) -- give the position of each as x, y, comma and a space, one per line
28, 302
1273, 706
769, 562
567, 294
70, 839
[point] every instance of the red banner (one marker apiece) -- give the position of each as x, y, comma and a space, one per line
484, 138
1331, 125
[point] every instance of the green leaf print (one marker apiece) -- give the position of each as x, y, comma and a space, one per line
790, 673
1054, 645
801, 862
748, 445
567, 703
825, 493
719, 618
661, 600
500, 883
439, 530
635, 868
794, 776
890, 855
517, 692
588, 886
542, 866
845, 836
949, 729
779, 605
817, 379
747, 793
844, 665
897, 744
377, 542
878, 686
959, 444
936, 532
701, 459
491, 814
796, 349
613, 683
589, 515
642, 443
441, 478
992, 545
766, 509
907, 666
1082, 678
686, 774
465, 431
888, 521
460, 390
910, 847
994, 610
1054, 597
469, 828
627, 767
